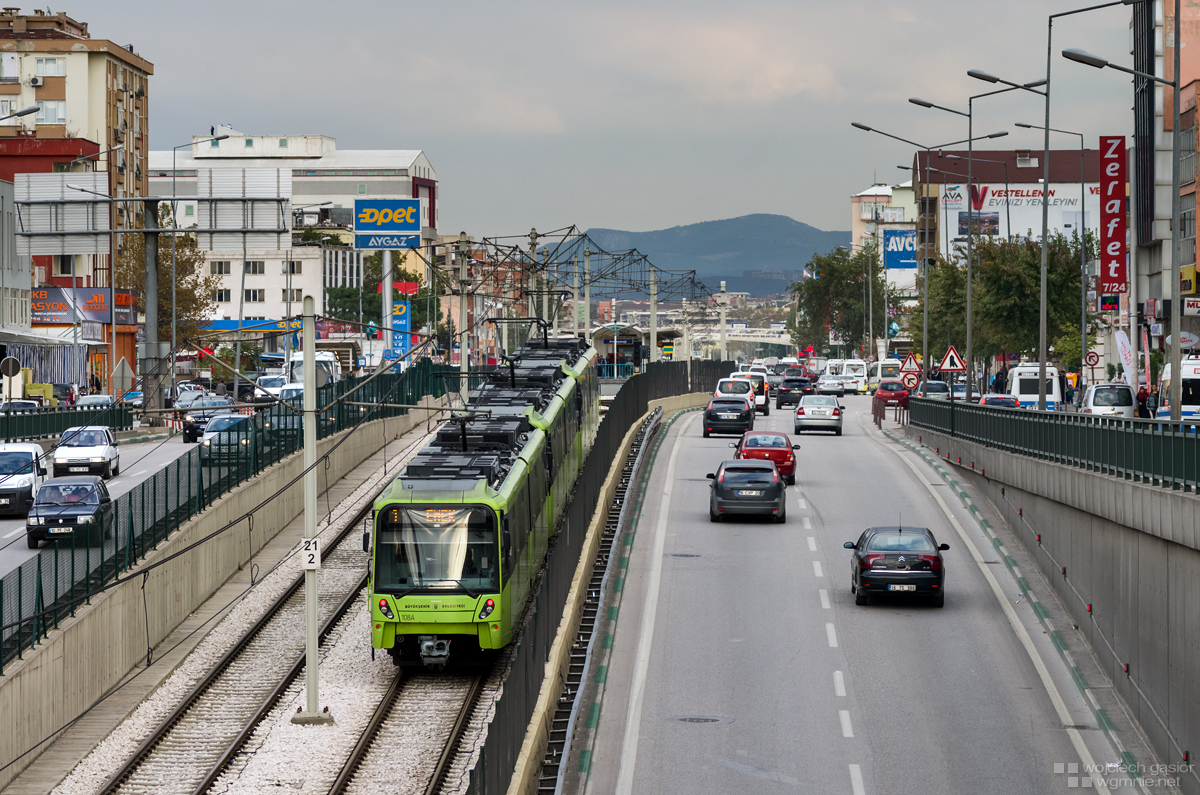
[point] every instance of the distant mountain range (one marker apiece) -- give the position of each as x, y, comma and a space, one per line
759, 254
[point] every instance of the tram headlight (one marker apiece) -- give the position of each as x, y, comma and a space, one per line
386, 610
488, 607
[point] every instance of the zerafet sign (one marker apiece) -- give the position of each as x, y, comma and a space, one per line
387, 223
1113, 257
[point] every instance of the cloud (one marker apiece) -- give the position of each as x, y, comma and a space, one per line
714, 60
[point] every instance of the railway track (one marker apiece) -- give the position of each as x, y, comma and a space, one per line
409, 743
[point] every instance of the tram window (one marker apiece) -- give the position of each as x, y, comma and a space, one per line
437, 548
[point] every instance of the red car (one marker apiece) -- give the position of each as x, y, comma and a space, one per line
772, 446
1000, 401
892, 393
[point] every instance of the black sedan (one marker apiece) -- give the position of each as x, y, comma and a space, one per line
78, 506
728, 415
747, 487
791, 390
891, 560
200, 412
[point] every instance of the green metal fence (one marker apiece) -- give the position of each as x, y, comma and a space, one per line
1156, 452
46, 589
49, 422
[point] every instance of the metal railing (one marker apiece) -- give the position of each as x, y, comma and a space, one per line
52, 421
45, 590
1156, 452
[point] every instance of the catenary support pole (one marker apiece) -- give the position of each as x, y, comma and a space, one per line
653, 315
464, 388
575, 298
151, 367
721, 309
587, 292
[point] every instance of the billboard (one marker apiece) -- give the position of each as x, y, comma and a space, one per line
52, 306
899, 248
1113, 256
993, 205
387, 223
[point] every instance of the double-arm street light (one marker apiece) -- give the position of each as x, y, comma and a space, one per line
1083, 274
1042, 347
925, 189
969, 358
1080, 56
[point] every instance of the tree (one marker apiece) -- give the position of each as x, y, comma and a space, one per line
250, 354
194, 285
833, 299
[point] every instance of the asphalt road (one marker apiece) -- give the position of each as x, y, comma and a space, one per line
138, 462
741, 664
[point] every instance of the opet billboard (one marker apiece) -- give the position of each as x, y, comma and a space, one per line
992, 205
387, 223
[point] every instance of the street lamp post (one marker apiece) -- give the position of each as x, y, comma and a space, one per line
1176, 237
1083, 274
928, 150
969, 358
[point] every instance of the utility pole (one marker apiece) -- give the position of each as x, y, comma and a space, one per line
575, 298
721, 308
557, 303
463, 346
310, 554
653, 315
388, 294
152, 377
545, 285
529, 329
587, 293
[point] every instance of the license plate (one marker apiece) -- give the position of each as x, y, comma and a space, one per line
3, 500
729, 416
820, 413
749, 493
902, 587
78, 469
54, 530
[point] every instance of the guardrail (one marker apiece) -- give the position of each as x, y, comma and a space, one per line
52, 421
47, 589
1156, 452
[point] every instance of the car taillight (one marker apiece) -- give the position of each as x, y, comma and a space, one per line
488, 607
935, 563
721, 477
710, 407
867, 561
776, 473
800, 412
837, 412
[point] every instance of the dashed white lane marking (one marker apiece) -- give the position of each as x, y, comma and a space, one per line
856, 780
844, 717
15, 532
824, 599
144, 471
817, 569
807, 523
831, 635
803, 504
812, 544
839, 684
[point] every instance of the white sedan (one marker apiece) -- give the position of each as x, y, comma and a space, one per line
87, 450
831, 385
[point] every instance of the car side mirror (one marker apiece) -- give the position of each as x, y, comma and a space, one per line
850, 545
711, 476
943, 547
795, 447
29, 503
733, 444
367, 541
42, 471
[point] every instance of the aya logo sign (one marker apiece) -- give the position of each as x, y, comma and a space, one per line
1113, 258
952, 197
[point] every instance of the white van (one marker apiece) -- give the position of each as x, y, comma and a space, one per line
1022, 384
22, 472
1191, 389
857, 369
1109, 400
329, 369
885, 370
833, 367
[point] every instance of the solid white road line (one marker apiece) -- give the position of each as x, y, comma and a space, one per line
844, 717
812, 544
1018, 628
807, 523
18, 531
831, 636
856, 780
839, 684
637, 689
817, 569
824, 599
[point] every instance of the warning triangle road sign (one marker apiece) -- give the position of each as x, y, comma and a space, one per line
910, 365
952, 362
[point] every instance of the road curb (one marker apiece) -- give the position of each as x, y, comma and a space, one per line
1057, 638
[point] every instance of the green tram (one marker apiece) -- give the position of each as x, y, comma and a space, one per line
459, 536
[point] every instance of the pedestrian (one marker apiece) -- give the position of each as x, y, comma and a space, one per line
1142, 396
212, 130
1152, 402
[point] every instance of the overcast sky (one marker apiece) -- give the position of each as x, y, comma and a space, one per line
633, 115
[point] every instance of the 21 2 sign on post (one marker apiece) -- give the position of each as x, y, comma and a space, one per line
1113, 257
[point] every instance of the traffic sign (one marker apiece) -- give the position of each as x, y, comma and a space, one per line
1092, 359
909, 380
910, 365
952, 362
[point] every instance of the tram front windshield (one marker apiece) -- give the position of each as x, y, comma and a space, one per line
437, 549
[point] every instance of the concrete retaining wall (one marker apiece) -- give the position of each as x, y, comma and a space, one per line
673, 404
90, 653
1130, 551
